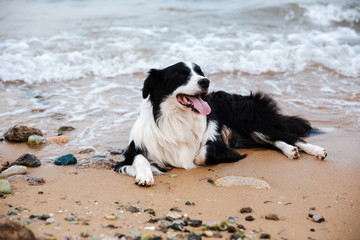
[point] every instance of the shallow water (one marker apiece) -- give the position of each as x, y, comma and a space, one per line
82, 63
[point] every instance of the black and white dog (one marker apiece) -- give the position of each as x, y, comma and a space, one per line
181, 125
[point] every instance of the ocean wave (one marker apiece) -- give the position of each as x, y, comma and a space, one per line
103, 51
327, 14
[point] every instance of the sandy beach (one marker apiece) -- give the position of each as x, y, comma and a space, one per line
83, 63
298, 188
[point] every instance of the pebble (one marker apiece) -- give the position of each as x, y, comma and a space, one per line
317, 218
272, 216
28, 160
63, 129
32, 180
194, 223
87, 150
250, 218
265, 236
58, 139
231, 220
246, 210
13, 170
174, 215
117, 152
190, 203
21, 133
110, 217
64, 160
229, 181
231, 229
208, 233
35, 140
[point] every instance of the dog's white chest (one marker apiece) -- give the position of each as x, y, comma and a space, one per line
175, 140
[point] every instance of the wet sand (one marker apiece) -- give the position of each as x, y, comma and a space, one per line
332, 187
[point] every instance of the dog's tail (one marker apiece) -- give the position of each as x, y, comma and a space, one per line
300, 127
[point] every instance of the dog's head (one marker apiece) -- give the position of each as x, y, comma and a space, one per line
182, 84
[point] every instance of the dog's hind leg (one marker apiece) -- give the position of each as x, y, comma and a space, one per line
292, 152
311, 149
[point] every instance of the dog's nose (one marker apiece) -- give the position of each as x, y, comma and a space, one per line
204, 83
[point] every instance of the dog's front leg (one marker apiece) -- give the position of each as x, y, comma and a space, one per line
144, 176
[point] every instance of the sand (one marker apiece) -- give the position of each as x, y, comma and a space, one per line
332, 187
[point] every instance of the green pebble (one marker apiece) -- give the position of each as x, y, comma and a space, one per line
35, 140
145, 236
64, 160
12, 212
135, 233
118, 216
5, 186
231, 220
173, 175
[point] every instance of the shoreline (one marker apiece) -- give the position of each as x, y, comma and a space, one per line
331, 187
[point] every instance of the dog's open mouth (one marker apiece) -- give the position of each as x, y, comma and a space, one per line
195, 103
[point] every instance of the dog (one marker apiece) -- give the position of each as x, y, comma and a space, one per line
182, 125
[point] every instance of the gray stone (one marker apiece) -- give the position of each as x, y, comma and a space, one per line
21, 133
28, 160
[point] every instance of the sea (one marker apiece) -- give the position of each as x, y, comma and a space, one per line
82, 63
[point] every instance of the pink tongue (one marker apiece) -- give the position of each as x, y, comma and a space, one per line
200, 105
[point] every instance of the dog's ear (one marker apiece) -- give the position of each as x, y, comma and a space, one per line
154, 78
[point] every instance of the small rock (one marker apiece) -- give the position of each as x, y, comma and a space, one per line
312, 208
210, 181
64, 160
32, 180
35, 140
317, 218
13, 170
272, 216
14, 230
63, 129
208, 233
150, 211
59, 139
21, 133
177, 227
110, 217
231, 220
190, 203
229, 181
28, 160
87, 150
173, 176
193, 223
131, 209
236, 236
117, 152
174, 215
231, 229
250, 218
194, 237
12, 212
246, 210
265, 236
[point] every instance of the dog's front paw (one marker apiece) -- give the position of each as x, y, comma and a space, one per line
144, 179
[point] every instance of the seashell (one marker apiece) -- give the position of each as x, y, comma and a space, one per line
14, 170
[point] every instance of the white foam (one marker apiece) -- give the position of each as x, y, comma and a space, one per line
326, 14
